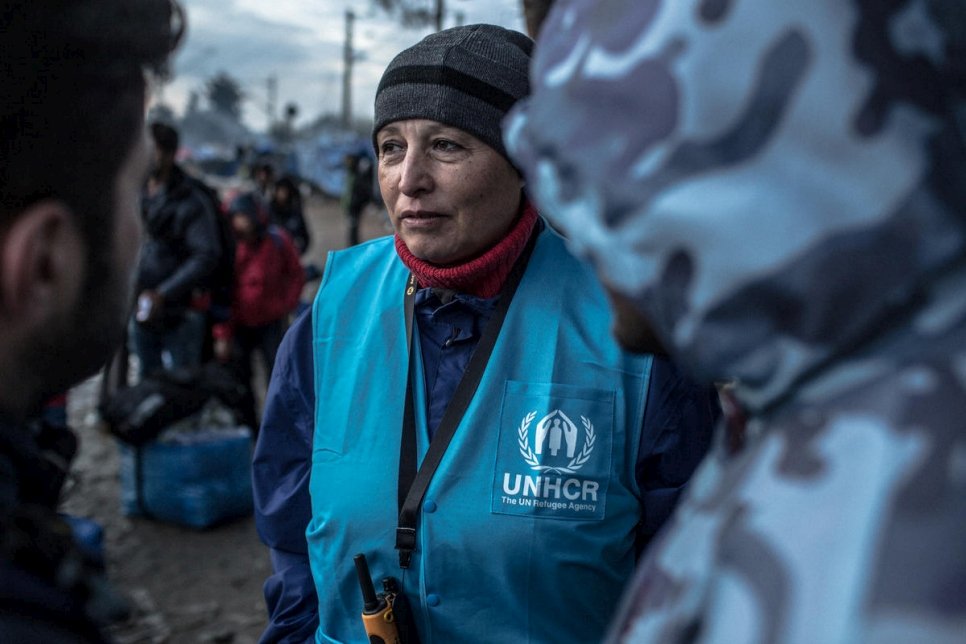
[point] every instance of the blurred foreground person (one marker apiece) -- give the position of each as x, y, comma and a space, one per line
559, 455
72, 161
779, 189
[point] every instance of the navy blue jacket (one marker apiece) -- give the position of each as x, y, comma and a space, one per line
448, 334
51, 591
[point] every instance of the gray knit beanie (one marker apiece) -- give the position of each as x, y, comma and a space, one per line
465, 77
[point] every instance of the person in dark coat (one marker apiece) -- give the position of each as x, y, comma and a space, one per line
180, 253
357, 193
264, 177
72, 162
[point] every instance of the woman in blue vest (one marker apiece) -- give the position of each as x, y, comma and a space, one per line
454, 407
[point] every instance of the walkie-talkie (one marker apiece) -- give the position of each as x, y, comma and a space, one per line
377, 614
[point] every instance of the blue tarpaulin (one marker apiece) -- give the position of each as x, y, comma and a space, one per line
320, 159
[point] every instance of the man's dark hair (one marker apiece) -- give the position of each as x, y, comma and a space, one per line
74, 79
165, 137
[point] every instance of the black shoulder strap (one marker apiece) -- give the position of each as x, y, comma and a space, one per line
413, 483
407, 451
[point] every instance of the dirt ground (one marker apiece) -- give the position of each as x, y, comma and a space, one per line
186, 585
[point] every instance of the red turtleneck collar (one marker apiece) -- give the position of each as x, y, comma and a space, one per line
482, 276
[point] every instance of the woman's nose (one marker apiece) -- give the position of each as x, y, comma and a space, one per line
415, 175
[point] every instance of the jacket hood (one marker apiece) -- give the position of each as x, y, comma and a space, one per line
773, 184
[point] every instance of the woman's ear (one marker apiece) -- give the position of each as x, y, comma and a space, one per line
42, 263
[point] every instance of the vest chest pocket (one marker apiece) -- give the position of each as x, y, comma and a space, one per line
555, 451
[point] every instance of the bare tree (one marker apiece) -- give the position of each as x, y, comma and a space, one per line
225, 95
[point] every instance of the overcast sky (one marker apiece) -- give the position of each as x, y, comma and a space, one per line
300, 42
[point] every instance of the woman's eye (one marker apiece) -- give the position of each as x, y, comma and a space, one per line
445, 145
389, 147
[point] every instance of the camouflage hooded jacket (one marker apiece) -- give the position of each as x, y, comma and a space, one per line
780, 187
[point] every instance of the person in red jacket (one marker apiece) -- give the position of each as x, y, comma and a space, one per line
268, 284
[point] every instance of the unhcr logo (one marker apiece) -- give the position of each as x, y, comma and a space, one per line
553, 451
553, 465
557, 435
565, 475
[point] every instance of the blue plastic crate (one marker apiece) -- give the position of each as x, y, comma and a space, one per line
195, 478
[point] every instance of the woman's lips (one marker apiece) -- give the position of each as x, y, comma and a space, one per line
421, 219
421, 214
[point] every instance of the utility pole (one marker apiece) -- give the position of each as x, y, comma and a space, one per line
272, 99
347, 58
438, 15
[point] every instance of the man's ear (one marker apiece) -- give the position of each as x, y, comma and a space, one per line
631, 328
42, 262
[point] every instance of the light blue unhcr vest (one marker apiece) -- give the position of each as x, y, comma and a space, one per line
527, 530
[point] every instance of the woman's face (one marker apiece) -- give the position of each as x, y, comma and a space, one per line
449, 195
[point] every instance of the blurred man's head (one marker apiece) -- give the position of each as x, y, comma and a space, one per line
73, 156
768, 183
